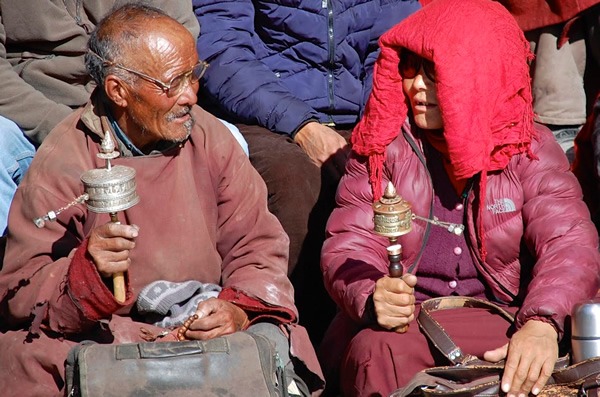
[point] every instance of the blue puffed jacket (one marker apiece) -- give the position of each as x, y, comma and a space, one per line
282, 63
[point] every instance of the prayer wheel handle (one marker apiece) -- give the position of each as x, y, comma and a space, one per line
119, 277
109, 190
395, 268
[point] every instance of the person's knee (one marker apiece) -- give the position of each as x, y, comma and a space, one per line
16, 152
380, 345
369, 366
294, 179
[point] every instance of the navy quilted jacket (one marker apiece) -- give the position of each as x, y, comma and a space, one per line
281, 63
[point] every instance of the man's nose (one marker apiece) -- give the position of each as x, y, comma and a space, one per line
189, 94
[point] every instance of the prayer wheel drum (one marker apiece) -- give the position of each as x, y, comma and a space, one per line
111, 189
392, 214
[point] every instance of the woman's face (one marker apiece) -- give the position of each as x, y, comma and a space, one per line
418, 84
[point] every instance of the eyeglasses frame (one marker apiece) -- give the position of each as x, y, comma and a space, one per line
166, 88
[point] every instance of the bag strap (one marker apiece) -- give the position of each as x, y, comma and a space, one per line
587, 370
438, 336
590, 387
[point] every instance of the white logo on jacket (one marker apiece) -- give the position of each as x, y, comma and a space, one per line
502, 206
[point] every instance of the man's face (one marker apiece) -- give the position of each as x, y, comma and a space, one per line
153, 113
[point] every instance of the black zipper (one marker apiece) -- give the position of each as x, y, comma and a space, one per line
331, 48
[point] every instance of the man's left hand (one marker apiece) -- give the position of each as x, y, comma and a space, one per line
532, 353
216, 317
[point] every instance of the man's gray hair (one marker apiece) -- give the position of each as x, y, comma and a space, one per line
114, 35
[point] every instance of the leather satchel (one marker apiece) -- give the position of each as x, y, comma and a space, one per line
239, 364
468, 376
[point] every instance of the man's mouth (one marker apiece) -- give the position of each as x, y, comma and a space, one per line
181, 116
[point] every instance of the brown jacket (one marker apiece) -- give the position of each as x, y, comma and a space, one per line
42, 44
202, 215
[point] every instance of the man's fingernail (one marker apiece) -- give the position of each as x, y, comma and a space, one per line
536, 391
505, 387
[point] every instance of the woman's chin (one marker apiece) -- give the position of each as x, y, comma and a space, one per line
428, 123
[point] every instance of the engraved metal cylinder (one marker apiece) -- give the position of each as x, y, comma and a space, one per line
392, 214
110, 189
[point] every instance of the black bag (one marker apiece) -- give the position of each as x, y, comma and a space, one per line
239, 364
468, 376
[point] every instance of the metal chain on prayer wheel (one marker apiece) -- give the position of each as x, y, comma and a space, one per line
392, 219
107, 190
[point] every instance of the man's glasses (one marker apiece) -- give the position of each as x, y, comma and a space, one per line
410, 65
173, 87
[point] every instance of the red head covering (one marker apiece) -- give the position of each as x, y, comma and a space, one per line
483, 87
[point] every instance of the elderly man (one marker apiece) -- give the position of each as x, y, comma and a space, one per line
43, 76
202, 215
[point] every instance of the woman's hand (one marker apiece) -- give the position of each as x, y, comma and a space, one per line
532, 353
394, 302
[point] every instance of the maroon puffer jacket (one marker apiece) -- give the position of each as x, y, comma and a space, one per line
534, 14
533, 203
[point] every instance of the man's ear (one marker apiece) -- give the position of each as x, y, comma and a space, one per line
116, 91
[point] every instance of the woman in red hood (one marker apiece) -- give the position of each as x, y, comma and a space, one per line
450, 124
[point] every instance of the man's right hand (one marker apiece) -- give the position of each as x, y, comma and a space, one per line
109, 247
320, 143
394, 302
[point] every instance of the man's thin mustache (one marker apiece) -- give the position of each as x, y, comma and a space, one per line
183, 112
